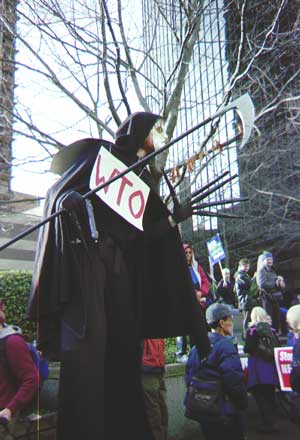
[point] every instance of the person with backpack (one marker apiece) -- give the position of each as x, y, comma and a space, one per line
223, 363
19, 377
262, 380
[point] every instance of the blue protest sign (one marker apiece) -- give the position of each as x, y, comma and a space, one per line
215, 249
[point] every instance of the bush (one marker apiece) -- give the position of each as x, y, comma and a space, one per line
170, 350
14, 292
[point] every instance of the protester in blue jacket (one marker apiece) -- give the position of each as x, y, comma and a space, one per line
225, 358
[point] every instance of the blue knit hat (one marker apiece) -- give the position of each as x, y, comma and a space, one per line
267, 255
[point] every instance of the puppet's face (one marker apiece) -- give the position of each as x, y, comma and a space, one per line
159, 135
148, 146
154, 141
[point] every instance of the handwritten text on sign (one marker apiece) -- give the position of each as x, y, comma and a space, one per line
283, 359
127, 195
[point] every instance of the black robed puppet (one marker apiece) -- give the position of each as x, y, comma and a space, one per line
101, 285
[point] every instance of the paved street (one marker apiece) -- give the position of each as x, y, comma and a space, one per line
287, 431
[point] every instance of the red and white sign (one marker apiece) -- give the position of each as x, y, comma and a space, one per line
127, 196
283, 359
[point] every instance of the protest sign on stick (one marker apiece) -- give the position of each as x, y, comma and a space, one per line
215, 249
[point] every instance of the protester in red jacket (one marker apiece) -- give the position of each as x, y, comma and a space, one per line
200, 281
19, 377
154, 388
201, 290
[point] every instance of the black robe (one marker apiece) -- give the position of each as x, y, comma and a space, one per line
95, 302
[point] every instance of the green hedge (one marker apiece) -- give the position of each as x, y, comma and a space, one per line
14, 291
170, 350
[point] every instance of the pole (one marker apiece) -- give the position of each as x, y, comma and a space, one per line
234, 105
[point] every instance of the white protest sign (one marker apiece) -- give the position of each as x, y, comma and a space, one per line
127, 196
215, 249
283, 360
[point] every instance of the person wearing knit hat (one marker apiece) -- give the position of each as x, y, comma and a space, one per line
271, 287
19, 377
267, 255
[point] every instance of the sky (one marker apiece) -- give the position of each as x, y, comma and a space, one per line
54, 113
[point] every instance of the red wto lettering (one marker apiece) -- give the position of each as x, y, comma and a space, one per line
99, 180
142, 203
136, 197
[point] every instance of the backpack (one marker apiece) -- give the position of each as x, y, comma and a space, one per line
267, 341
39, 361
205, 397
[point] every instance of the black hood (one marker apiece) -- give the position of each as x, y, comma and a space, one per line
131, 134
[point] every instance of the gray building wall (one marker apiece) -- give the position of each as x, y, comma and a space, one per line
7, 84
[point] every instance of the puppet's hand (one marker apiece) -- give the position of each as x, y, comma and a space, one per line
182, 211
73, 201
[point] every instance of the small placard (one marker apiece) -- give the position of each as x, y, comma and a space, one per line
127, 195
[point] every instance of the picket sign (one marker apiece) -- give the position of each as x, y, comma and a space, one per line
215, 249
127, 195
283, 360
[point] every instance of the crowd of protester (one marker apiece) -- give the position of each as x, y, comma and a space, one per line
268, 310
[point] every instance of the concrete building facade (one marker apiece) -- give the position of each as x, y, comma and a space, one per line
267, 49
14, 217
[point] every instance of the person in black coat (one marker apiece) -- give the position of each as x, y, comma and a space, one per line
243, 283
101, 285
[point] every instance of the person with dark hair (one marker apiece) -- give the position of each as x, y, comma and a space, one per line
101, 285
19, 377
223, 360
243, 283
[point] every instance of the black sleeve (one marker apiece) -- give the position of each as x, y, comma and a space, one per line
251, 342
295, 379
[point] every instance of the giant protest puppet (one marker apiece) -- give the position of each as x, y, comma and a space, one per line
103, 283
